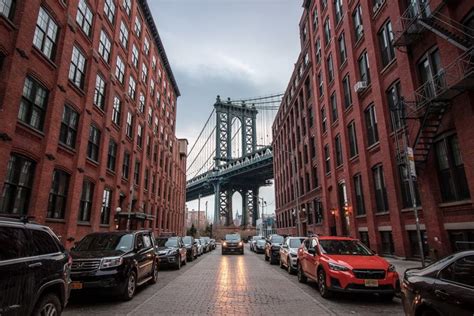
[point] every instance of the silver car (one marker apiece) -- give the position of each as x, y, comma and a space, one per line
253, 242
289, 253
200, 246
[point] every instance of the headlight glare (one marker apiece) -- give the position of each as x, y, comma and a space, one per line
337, 267
111, 262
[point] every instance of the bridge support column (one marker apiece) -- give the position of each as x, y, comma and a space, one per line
254, 206
217, 193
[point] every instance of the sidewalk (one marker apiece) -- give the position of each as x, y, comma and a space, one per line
402, 265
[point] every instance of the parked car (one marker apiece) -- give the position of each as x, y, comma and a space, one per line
206, 246
343, 264
260, 246
253, 242
200, 246
232, 243
208, 243
171, 251
191, 248
272, 248
34, 269
213, 244
119, 261
289, 253
445, 287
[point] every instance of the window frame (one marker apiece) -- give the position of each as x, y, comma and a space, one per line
69, 128
78, 68
46, 37
30, 112
59, 190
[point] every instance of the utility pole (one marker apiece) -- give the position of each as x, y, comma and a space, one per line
199, 212
206, 214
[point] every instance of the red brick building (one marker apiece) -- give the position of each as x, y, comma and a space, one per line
87, 116
369, 71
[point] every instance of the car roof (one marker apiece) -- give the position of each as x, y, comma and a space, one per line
334, 238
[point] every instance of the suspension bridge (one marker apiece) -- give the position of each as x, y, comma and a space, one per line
233, 153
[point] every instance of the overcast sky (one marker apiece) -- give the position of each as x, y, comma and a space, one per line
234, 48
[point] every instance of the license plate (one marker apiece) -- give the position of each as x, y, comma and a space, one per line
76, 286
371, 283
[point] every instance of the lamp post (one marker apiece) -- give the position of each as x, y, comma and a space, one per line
295, 188
130, 207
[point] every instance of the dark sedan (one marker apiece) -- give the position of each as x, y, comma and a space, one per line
260, 246
191, 248
171, 251
445, 287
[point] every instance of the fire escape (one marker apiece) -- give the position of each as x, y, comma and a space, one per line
432, 99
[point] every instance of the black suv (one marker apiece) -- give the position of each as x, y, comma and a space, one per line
272, 248
171, 251
232, 243
120, 261
34, 269
191, 248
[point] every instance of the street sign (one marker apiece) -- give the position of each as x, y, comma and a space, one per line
411, 163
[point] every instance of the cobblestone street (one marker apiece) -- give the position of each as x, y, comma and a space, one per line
230, 285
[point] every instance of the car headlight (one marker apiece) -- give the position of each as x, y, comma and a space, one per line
172, 252
337, 267
224, 244
391, 268
111, 262
240, 244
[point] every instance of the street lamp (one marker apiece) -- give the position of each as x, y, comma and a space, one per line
295, 188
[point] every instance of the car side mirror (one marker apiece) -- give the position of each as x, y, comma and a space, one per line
312, 251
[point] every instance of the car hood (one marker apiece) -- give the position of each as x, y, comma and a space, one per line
360, 262
165, 249
96, 254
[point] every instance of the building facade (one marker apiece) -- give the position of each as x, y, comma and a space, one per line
196, 218
369, 73
87, 118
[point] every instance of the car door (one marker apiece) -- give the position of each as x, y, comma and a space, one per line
17, 288
454, 287
140, 256
304, 254
312, 259
284, 251
148, 250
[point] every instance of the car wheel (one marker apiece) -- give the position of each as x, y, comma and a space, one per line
191, 258
288, 265
322, 285
281, 264
178, 263
154, 275
301, 277
185, 260
266, 257
48, 305
130, 286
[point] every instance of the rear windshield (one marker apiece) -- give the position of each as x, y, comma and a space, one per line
295, 243
101, 242
232, 237
277, 239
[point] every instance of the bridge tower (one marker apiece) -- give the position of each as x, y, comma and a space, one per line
226, 112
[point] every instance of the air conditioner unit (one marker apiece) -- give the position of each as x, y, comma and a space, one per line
360, 86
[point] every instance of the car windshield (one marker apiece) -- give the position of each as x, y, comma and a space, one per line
167, 242
232, 237
277, 239
101, 242
344, 247
295, 243
261, 242
187, 240
258, 237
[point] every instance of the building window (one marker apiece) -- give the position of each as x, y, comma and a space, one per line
338, 10
393, 100
461, 239
359, 195
330, 68
93, 143
148, 146
33, 104
327, 159
323, 120
380, 189
387, 243
129, 125
84, 17
104, 46
112, 155
364, 238
342, 49
415, 246
451, 175
318, 51
77, 69
141, 102
155, 153
123, 34
106, 207
68, 131
85, 206
126, 165
150, 116
351, 130
146, 46
357, 20
385, 36
327, 32
338, 145
147, 175
120, 69
109, 10
6, 8
315, 19
347, 91
136, 173
58, 195
99, 92
46, 33
140, 136
17, 187
134, 56
144, 73
405, 188
430, 69
334, 115
132, 88
138, 27
127, 6
364, 71
320, 84
371, 125
116, 111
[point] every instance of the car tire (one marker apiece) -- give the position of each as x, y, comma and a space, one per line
48, 304
154, 274
191, 259
178, 263
281, 264
266, 257
129, 287
301, 277
185, 260
288, 266
322, 285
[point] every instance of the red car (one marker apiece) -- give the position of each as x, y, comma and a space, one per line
342, 264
